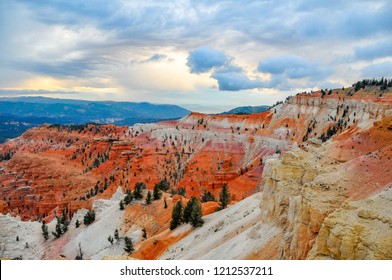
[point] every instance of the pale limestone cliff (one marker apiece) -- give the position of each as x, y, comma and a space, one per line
309, 199
297, 196
358, 230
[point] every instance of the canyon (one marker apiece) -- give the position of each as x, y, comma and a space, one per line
309, 179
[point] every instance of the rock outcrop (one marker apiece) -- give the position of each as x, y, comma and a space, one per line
358, 230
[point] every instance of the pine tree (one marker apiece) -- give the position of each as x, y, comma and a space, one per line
165, 203
137, 192
196, 214
144, 233
181, 191
128, 245
193, 213
77, 223
63, 218
64, 224
224, 197
57, 233
149, 197
45, 232
187, 211
128, 197
121, 205
116, 236
89, 217
207, 196
177, 215
157, 192
110, 239
163, 185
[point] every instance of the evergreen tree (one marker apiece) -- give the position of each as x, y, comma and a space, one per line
64, 223
45, 232
187, 210
137, 192
157, 192
148, 198
196, 214
128, 245
89, 217
224, 197
77, 223
65, 226
110, 239
179, 190
207, 196
92, 216
128, 197
57, 233
165, 203
116, 236
63, 218
193, 213
177, 215
164, 185
144, 233
121, 205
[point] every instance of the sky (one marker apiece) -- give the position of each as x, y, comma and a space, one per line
207, 56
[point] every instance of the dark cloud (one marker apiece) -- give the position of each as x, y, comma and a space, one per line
229, 77
373, 51
234, 79
205, 59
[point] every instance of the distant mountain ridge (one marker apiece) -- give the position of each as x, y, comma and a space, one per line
248, 110
21, 113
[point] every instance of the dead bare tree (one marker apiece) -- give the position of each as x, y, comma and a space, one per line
79, 255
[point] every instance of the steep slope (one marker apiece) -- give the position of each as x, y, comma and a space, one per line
228, 234
24, 238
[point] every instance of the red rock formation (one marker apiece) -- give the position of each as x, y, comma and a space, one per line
57, 168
